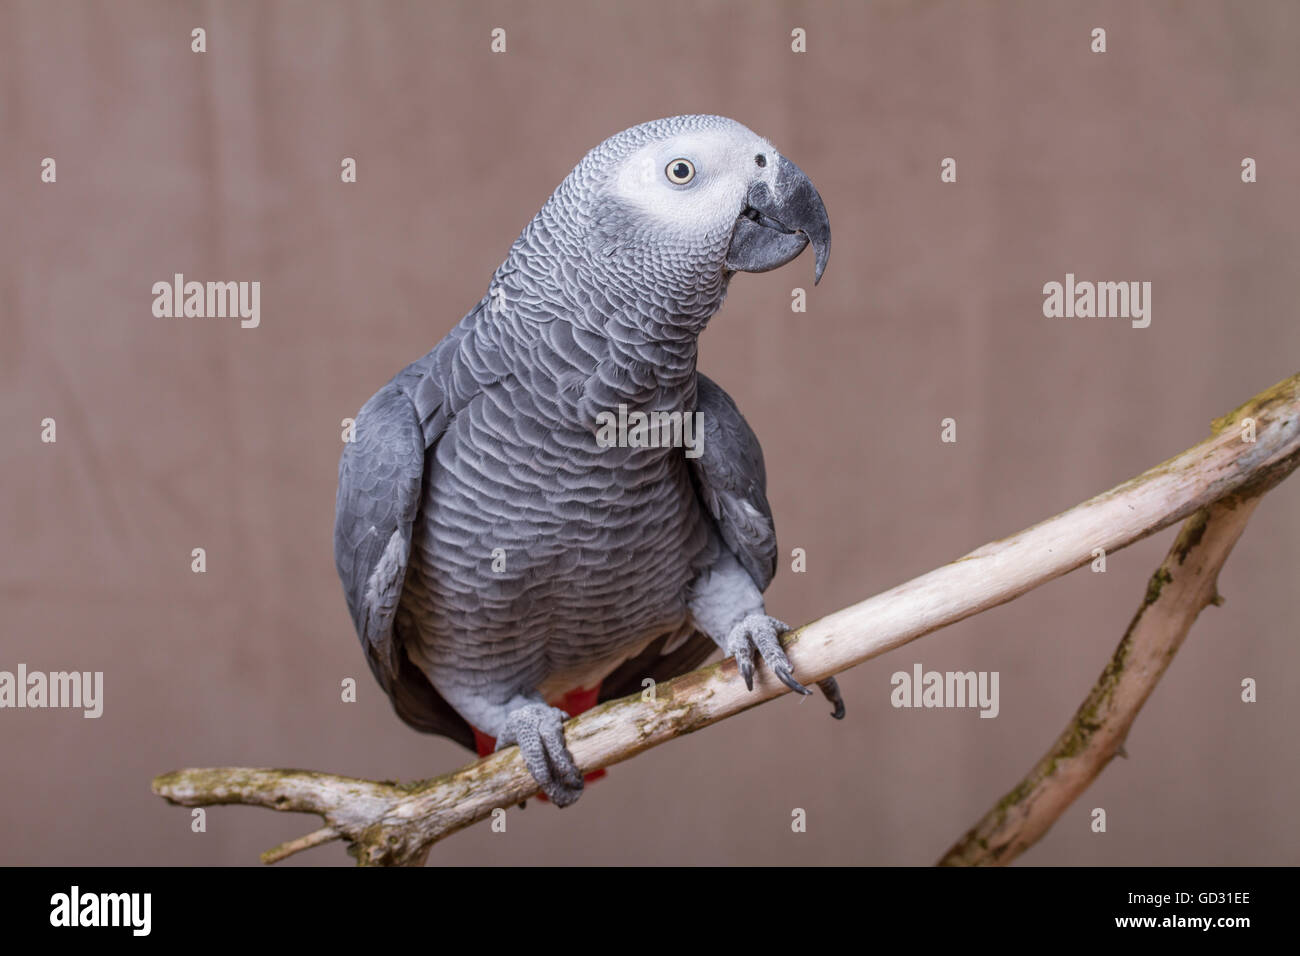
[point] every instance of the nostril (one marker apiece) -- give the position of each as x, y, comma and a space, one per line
760, 159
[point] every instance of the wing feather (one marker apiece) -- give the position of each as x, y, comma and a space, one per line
380, 483
731, 481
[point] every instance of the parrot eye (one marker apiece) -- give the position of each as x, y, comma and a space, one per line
680, 171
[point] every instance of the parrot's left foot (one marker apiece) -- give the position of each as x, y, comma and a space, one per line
758, 631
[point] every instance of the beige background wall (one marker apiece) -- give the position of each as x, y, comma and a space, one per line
175, 434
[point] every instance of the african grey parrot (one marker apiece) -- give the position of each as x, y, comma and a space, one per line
497, 558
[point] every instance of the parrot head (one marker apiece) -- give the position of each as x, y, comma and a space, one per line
676, 206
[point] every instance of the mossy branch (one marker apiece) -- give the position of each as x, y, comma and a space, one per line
1251, 449
1183, 585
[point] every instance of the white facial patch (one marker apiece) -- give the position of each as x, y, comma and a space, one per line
725, 167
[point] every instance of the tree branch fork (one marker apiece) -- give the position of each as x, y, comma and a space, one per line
1214, 485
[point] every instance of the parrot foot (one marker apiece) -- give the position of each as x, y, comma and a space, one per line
831, 691
538, 729
762, 633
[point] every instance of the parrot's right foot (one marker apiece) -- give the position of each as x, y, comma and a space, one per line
538, 729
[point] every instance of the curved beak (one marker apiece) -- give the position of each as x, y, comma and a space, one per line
777, 223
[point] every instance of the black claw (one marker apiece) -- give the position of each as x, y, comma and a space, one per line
832, 692
788, 680
747, 672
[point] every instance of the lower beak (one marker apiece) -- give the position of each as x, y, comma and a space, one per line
777, 223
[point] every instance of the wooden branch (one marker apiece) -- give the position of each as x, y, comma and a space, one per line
388, 823
1183, 585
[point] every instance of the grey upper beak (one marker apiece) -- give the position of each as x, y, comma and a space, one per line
777, 223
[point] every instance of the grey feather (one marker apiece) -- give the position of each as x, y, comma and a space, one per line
732, 483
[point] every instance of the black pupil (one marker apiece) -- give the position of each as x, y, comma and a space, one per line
681, 171
760, 159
